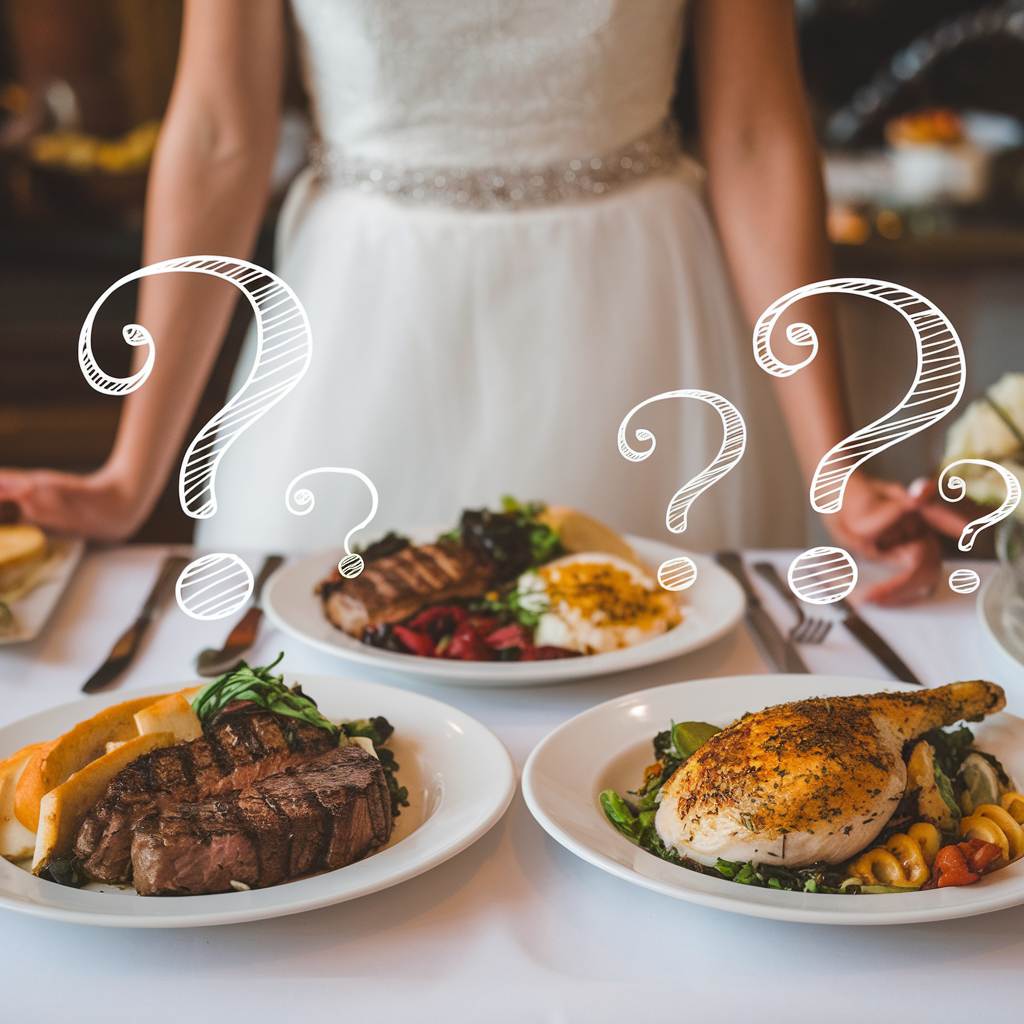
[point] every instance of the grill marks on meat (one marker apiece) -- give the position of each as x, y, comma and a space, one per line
323, 813
246, 740
391, 589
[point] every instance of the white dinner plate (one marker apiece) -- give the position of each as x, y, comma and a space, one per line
459, 776
1001, 611
31, 611
608, 747
711, 607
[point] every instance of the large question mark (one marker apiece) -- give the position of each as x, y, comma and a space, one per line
966, 581
680, 573
826, 574
215, 586
351, 565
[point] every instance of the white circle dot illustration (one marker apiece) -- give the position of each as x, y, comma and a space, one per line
351, 566
823, 575
214, 586
677, 573
964, 581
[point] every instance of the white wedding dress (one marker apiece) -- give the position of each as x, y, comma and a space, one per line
501, 252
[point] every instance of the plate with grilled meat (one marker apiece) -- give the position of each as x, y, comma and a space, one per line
832, 804
252, 797
526, 596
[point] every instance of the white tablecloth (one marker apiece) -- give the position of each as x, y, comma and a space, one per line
515, 928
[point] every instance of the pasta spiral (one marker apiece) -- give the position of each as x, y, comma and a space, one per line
905, 861
999, 825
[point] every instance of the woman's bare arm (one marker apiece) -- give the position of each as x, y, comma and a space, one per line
208, 188
766, 193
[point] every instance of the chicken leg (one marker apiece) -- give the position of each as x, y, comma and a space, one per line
815, 780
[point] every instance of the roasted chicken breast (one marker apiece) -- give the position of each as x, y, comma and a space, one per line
815, 780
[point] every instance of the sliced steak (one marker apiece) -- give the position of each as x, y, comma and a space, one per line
246, 740
321, 814
391, 589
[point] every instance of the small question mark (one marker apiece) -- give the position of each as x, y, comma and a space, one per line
680, 573
351, 565
826, 574
215, 586
966, 581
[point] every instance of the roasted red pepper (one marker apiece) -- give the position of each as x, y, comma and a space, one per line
980, 854
950, 868
439, 621
416, 642
468, 645
516, 635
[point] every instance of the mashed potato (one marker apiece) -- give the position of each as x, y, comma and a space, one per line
594, 602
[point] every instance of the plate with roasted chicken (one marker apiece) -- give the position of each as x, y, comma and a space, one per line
251, 797
796, 797
522, 596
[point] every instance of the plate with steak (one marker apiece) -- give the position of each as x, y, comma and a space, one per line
291, 793
526, 596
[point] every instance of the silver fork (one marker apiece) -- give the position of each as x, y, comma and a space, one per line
807, 630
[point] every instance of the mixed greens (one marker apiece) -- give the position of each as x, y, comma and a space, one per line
377, 730
512, 540
636, 822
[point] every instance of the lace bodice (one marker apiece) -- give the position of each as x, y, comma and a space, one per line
486, 83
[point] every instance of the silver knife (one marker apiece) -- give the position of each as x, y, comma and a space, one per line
876, 645
124, 650
776, 648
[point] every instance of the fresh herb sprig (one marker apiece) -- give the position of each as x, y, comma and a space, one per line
260, 687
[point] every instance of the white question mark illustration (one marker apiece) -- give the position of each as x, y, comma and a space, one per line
966, 581
680, 573
824, 575
215, 586
351, 565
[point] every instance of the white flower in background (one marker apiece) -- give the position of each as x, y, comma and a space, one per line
983, 433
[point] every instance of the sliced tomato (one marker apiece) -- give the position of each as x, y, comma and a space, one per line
951, 868
468, 645
979, 854
415, 641
516, 635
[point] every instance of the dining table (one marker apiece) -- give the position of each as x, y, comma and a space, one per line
514, 928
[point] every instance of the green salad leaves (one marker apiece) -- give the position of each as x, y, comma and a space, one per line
671, 747
377, 730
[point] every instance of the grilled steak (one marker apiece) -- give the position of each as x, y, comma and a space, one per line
240, 745
320, 814
392, 588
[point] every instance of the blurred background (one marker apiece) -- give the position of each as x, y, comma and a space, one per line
918, 104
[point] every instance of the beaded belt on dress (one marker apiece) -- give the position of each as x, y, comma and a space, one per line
516, 186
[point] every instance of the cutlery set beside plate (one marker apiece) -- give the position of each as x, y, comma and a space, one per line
461, 779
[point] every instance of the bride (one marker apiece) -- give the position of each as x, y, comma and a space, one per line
501, 250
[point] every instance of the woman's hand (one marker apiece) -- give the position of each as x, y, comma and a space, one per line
882, 521
95, 506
